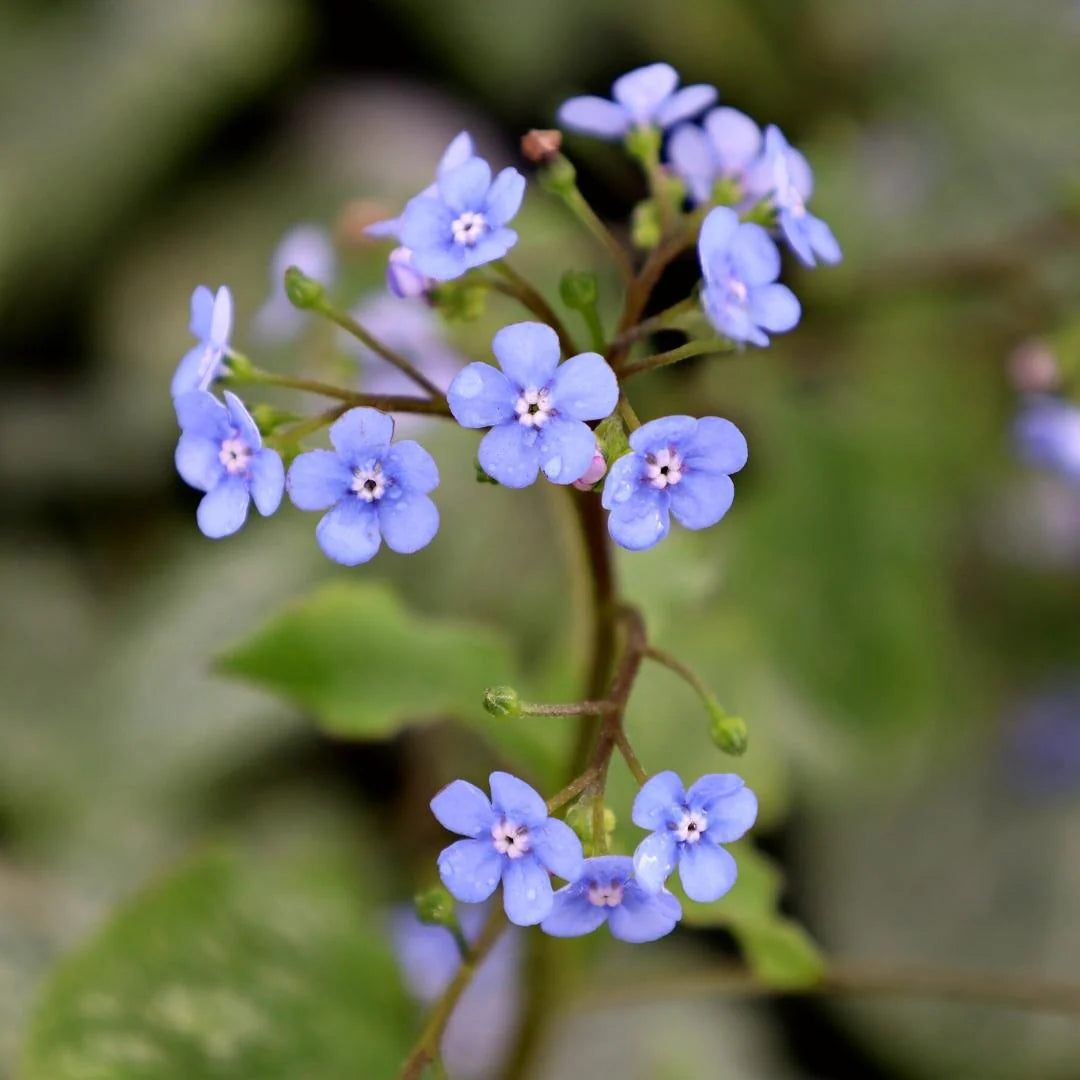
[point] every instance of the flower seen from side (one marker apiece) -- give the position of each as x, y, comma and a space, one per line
373, 490
211, 323
535, 406
724, 148
310, 248
689, 828
509, 838
221, 452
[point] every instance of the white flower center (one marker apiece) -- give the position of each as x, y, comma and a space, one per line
690, 827
511, 839
533, 408
468, 228
369, 484
235, 455
664, 468
609, 895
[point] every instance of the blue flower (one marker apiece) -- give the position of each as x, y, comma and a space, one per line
725, 147
462, 224
689, 827
374, 491
221, 452
211, 323
403, 279
644, 97
512, 839
784, 174
740, 265
310, 248
1047, 433
678, 465
607, 892
535, 407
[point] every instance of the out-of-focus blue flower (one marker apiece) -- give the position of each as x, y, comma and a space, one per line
688, 829
403, 279
510, 839
1040, 750
464, 223
678, 465
784, 174
535, 407
740, 265
607, 892
645, 97
311, 249
373, 491
221, 452
1047, 433
211, 323
484, 1021
725, 147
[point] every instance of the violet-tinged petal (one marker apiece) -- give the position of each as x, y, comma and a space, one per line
654, 859
408, 522
684, 104
493, 245
504, 197
360, 433
318, 479
558, 848
425, 224
714, 242
464, 186
640, 522
388, 227
223, 509
643, 916
427, 955
267, 480
198, 461
510, 454
527, 892
403, 280
707, 789
221, 318
470, 869
691, 156
202, 312
481, 396
349, 533
754, 256
459, 150
732, 320
572, 915
641, 91
662, 433
594, 116
197, 370
716, 445
200, 413
774, 308
822, 240
463, 808
411, 466
566, 449
443, 263
528, 352
622, 480
242, 421
732, 817
701, 499
707, 872
653, 803
516, 800
735, 138
584, 388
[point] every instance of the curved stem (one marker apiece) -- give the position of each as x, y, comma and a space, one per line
385, 402
673, 356
528, 295
688, 675
581, 207
659, 321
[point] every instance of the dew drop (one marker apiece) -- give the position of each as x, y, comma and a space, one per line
553, 466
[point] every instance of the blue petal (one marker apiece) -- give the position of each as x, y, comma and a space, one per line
425, 224
388, 227
774, 308
202, 312
754, 256
444, 263
528, 352
349, 533
516, 800
799, 173
641, 521
572, 915
465, 186
732, 817
691, 156
267, 481
527, 892
221, 318
198, 461
510, 454
655, 859
198, 369
566, 450
223, 509
735, 138
661, 434
584, 388
428, 955
706, 790
594, 116
714, 242
685, 103
623, 479
732, 320
457, 153
408, 522
606, 869
470, 869
463, 808
558, 848
504, 198
701, 499
481, 396
793, 227
318, 480
242, 421
706, 871
491, 246
659, 801
411, 466
361, 434
200, 413
402, 278
822, 240
644, 917
641, 91
716, 446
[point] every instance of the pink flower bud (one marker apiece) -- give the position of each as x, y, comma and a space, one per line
597, 468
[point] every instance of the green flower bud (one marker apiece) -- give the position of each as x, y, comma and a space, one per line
643, 143
580, 818
730, 733
559, 175
238, 367
612, 439
502, 701
645, 226
578, 289
303, 292
435, 906
727, 192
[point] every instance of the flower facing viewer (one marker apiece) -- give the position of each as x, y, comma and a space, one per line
211, 323
724, 148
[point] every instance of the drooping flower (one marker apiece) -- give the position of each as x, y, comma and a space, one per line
645, 97
688, 830
464, 223
311, 249
211, 323
536, 407
740, 265
1047, 433
606, 891
678, 465
724, 148
221, 452
510, 839
784, 174
373, 490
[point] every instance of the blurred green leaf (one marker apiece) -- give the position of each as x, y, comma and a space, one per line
780, 952
229, 968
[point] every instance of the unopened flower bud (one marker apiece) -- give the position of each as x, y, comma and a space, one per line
238, 367
645, 225
541, 144
558, 175
402, 278
593, 474
578, 289
730, 733
435, 906
644, 143
502, 701
303, 292
580, 818
611, 438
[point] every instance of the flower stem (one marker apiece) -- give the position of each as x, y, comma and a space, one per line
576, 708
386, 402
581, 207
673, 356
572, 790
528, 295
656, 322
684, 673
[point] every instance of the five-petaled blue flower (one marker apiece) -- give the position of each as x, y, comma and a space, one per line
1047, 433
607, 892
373, 491
678, 465
689, 827
784, 174
462, 224
221, 452
740, 265
211, 323
510, 838
725, 147
535, 407
645, 97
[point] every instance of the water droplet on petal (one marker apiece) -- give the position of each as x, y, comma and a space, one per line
553, 466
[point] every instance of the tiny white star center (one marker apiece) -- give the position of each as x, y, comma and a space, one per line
609, 895
370, 483
690, 827
664, 468
737, 292
235, 455
533, 408
468, 227
511, 839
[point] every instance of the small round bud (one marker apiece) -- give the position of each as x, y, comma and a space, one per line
558, 175
580, 818
730, 733
593, 474
502, 701
644, 143
541, 144
435, 906
645, 225
578, 289
238, 367
303, 292
611, 438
